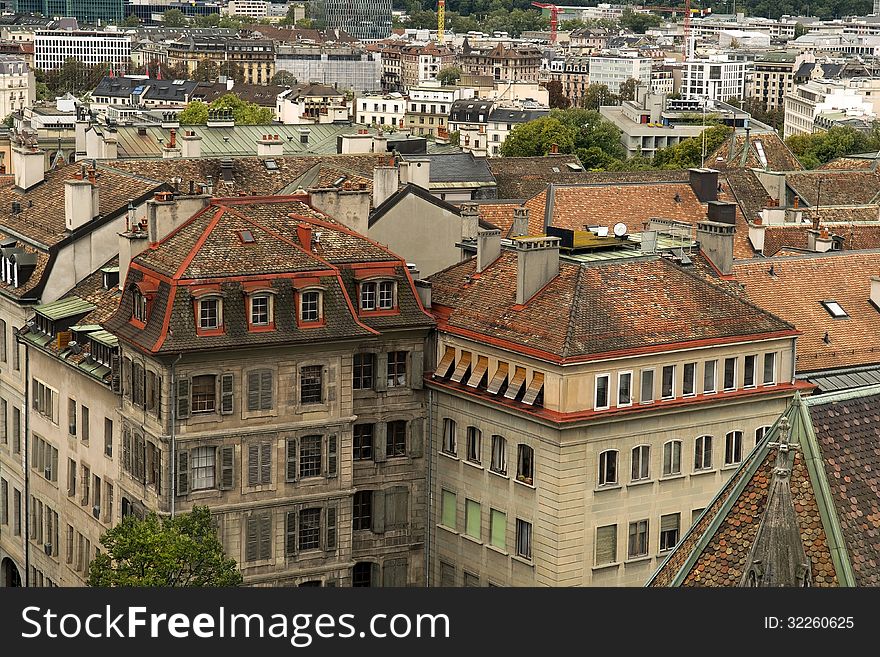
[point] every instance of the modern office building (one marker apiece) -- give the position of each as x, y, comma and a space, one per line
54, 47
89, 12
363, 19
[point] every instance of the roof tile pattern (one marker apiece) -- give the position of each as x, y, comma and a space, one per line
777, 156
836, 187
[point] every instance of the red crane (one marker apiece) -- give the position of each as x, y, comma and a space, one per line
554, 18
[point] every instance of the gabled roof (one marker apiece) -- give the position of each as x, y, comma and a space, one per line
414, 190
264, 95
589, 310
834, 482
795, 291
457, 167
763, 151
523, 177
836, 187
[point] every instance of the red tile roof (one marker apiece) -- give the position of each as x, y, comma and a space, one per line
777, 156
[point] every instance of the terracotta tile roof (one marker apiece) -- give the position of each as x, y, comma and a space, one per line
41, 219
499, 214
264, 95
209, 249
523, 177
855, 236
848, 164
837, 187
615, 306
745, 188
795, 292
776, 155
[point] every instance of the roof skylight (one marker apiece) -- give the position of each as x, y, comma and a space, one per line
834, 309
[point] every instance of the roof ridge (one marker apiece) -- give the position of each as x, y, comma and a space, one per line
212, 224
843, 395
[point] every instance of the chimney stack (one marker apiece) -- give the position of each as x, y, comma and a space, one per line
470, 221
488, 248
520, 222
537, 263
270, 146
704, 182
420, 173
716, 241
131, 243
384, 184
190, 144
724, 213
28, 166
80, 201
819, 241
304, 235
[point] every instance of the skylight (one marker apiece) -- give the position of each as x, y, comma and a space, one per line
271, 165
246, 236
835, 309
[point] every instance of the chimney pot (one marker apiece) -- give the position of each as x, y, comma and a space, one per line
797, 201
304, 235
537, 265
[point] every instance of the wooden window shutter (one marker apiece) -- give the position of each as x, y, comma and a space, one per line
182, 473
265, 536
380, 433
126, 450
378, 501
416, 435
266, 463
253, 392
606, 544
127, 373
332, 459
115, 376
266, 390
182, 398
227, 385
401, 506
331, 528
291, 459
416, 367
139, 458
251, 539
227, 467
157, 469
290, 534
381, 372
253, 465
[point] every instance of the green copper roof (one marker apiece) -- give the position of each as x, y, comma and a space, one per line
68, 307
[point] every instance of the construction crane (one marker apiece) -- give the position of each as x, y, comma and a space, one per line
441, 20
554, 18
687, 30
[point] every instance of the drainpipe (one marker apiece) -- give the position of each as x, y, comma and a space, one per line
430, 485
27, 465
173, 406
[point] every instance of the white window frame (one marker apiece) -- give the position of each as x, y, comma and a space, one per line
674, 372
735, 360
269, 304
603, 468
737, 447
693, 391
620, 376
714, 389
670, 446
772, 382
596, 406
219, 301
302, 305
644, 462
642, 373
754, 383
760, 432
701, 440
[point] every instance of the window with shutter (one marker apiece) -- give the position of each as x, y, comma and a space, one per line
182, 398
362, 510
265, 537
227, 467
126, 450
331, 456
290, 534
606, 544
310, 529
669, 525
397, 508
227, 399
331, 528
291, 459
378, 512
253, 465
252, 538
447, 574
266, 463
260, 390
394, 573
182, 473
310, 456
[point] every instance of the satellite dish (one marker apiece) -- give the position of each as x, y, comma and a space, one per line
619, 229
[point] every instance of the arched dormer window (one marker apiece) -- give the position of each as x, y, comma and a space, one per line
208, 308
310, 307
260, 308
142, 294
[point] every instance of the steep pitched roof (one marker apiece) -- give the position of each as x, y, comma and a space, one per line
523, 177
836, 187
833, 484
764, 151
631, 306
795, 291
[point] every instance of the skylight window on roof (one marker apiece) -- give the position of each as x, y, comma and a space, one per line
555, 169
834, 309
271, 165
574, 167
246, 236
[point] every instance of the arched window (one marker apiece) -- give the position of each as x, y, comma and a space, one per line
672, 458
703, 453
641, 459
499, 455
525, 463
608, 468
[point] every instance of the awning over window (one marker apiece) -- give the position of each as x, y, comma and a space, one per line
463, 363
445, 362
534, 388
516, 383
498, 379
478, 372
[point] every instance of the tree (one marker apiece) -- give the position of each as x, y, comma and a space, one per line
209, 20
244, 113
131, 21
305, 23
174, 18
799, 30
283, 79
815, 149
9, 121
598, 95
628, 89
169, 552
638, 22
75, 77
688, 153
557, 99
449, 75
206, 70
42, 92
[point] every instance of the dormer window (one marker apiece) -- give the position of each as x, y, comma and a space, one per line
377, 295
261, 307
139, 307
210, 313
310, 307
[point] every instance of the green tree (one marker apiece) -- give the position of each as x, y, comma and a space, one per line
557, 99
206, 70
449, 75
638, 22
209, 20
174, 18
628, 89
799, 30
815, 149
689, 152
578, 131
179, 551
42, 92
305, 23
598, 95
283, 79
75, 77
131, 21
244, 113
9, 121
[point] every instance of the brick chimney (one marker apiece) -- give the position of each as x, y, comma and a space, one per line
716, 241
537, 263
304, 235
819, 241
520, 222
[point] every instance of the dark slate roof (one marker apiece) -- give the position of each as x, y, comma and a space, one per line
845, 378
470, 111
458, 167
264, 95
514, 115
593, 309
158, 90
834, 484
829, 70
414, 190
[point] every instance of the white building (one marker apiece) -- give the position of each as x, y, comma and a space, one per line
53, 47
379, 110
614, 71
16, 85
816, 97
715, 78
504, 119
743, 39
311, 104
